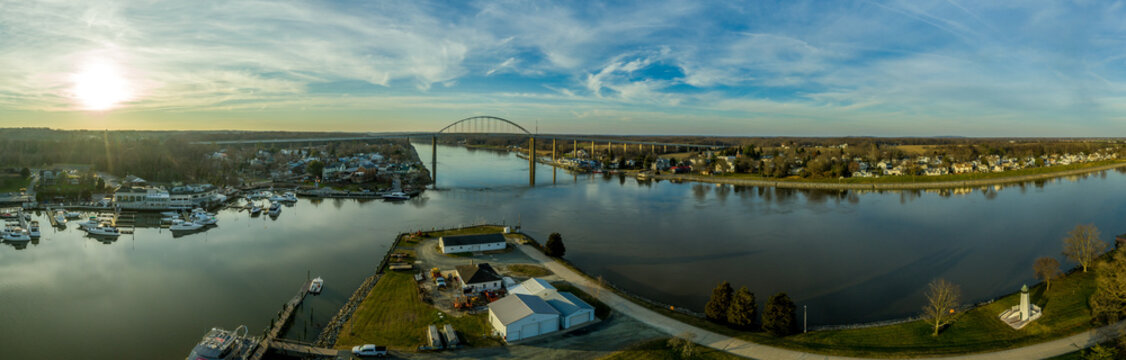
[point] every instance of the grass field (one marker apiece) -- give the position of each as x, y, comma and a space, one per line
12, 183
920, 178
659, 349
393, 315
528, 270
1065, 312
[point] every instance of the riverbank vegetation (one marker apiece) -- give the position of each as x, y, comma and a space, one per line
12, 183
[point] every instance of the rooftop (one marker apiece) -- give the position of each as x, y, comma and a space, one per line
518, 306
471, 239
474, 274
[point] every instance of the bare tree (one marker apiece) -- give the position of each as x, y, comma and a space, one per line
1046, 269
1083, 245
1108, 303
942, 298
684, 344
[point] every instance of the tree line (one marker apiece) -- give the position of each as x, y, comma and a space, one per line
738, 309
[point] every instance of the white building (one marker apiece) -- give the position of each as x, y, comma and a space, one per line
471, 243
520, 316
477, 278
572, 310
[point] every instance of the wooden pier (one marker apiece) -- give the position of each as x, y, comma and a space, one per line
302, 349
291, 347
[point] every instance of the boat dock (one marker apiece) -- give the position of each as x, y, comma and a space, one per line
289, 347
301, 349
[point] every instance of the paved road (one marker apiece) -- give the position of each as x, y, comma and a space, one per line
757, 351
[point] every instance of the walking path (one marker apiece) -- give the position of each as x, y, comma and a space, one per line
757, 351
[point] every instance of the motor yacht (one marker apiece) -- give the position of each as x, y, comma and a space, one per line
104, 230
33, 229
219, 344
16, 234
60, 218
203, 218
72, 214
91, 222
181, 225
255, 210
275, 209
396, 195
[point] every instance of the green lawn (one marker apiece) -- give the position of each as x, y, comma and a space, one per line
393, 315
526, 270
481, 229
920, 178
659, 349
12, 183
1065, 313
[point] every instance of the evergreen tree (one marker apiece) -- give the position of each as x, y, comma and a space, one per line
743, 309
554, 246
779, 316
717, 306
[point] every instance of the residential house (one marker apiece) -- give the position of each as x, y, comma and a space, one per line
477, 278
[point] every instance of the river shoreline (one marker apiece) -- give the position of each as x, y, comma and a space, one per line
886, 186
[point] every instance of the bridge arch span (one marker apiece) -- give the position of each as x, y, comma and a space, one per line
482, 120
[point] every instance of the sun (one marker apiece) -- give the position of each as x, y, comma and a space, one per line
99, 86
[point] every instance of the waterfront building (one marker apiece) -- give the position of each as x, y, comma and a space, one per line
520, 316
471, 243
178, 198
479, 277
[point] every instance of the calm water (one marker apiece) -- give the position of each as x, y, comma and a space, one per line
850, 257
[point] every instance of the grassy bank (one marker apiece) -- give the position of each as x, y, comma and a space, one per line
1000, 176
1065, 313
659, 350
526, 270
393, 315
12, 183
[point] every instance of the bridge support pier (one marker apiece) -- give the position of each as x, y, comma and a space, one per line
434, 161
553, 152
532, 161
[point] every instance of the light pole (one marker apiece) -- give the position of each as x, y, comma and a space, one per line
805, 318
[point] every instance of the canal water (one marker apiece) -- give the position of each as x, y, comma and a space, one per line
849, 256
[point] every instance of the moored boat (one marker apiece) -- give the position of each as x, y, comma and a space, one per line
316, 286
91, 222
181, 225
16, 234
396, 195
33, 229
275, 209
104, 230
255, 210
219, 344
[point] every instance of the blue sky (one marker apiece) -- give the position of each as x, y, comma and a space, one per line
825, 68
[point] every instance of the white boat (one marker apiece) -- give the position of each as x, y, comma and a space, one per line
255, 210
181, 225
33, 229
396, 195
275, 209
72, 214
16, 234
316, 286
60, 218
92, 222
290, 196
104, 230
203, 218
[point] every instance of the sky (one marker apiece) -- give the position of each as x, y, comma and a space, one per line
754, 68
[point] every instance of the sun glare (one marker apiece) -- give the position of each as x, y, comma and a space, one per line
100, 86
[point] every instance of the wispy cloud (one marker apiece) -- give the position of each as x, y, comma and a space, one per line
790, 67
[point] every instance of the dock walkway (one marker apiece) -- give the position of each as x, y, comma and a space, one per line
286, 346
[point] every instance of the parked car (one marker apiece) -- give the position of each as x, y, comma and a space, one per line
369, 350
440, 281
